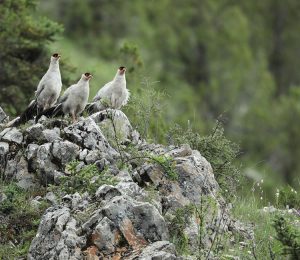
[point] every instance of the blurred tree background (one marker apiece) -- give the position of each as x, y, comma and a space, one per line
227, 59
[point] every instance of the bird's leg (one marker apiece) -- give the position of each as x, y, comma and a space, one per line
73, 117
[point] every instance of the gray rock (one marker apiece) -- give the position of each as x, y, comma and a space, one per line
64, 151
3, 197
194, 172
113, 123
31, 151
160, 250
182, 151
34, 133
51, 135
143, 219
88, 134
93, 156
116, 219
83, 153
106, 236
3, 117
24, 179
102, 163
4, 149
17, 169
56, 237
12, 135
31, 156
107, 192
57, 176
50, 197
44, 166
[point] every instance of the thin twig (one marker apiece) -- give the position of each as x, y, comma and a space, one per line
216, 234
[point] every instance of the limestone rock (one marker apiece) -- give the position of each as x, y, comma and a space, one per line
130, 220
56, 237
11, 135
88, 134
163, 250
4, 149
51, 135
64, 151
3, 117
114, 123
34, 133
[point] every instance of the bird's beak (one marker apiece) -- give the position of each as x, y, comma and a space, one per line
58, 56
89, 77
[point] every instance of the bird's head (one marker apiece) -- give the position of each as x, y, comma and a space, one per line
121, 70
55, 57
87, 76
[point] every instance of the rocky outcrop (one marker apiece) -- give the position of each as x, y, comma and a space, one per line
134, 217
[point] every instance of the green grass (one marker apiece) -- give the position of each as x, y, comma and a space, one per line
249, 211
19, 220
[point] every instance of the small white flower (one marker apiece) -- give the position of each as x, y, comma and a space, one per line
262, 181
277, 194
261, 198
257, 184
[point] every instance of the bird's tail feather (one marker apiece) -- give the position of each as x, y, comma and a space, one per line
93, 107
51, 112
30, 112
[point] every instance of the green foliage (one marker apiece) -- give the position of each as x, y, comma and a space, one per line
19, 220
249, 211
217, 149
131, 57
168, 165
287, 196
178, 221
83, 179
146, 109
289, 235
23, 53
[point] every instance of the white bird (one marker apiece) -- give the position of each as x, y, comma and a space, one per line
113, 94
47, 93
73, 101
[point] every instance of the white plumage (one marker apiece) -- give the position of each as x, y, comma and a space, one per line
73, 101
49, 87
114, 94
47, 93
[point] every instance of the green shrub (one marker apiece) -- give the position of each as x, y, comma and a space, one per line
88, 178
23, 53
288, 197
168, 165
178, 221
146, 111
289, 236
19, 220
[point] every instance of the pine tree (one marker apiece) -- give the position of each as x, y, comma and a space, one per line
23, 53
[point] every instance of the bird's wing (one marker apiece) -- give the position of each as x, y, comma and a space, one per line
64, 97
101, 93
39, 90
126, 98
